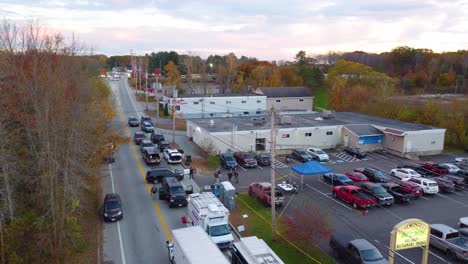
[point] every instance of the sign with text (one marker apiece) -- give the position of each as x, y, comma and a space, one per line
411, 233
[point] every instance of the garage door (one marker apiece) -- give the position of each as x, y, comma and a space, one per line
370, 140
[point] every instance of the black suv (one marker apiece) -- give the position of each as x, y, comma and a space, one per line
151, 156
174, 192
156, 138
112, 209
228, 161
378, 192
374, 175
146, 119
301, 155
157, 175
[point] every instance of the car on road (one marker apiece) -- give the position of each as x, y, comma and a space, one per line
336, 179
378, 192
147, 127
427, 186
449, 241
262, 191
357, 176
133, 122
353, 195
374, 175
399, 194
156, 138
245, 159
146, 119
228, 161
172, 156
404, 174
174, 192
138, 137
436, 168
151, 156
162, 146
355, 251
355, 152
452, 168
263, 159
112, 208
157, 174
411, 187
301, 155
146, 143
318, 154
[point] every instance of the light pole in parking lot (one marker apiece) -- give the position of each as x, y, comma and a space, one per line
273, 178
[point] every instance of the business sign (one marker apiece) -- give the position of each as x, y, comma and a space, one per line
411, 233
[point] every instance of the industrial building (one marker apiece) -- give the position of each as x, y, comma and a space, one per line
323, 130
290, 98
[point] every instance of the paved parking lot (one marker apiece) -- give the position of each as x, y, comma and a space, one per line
376, 226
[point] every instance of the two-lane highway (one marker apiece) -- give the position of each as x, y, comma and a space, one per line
142, 234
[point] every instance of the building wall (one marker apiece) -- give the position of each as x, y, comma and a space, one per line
425, 142
393, 143
295, 103
197, 107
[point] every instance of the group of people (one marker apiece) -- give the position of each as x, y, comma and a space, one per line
232, 173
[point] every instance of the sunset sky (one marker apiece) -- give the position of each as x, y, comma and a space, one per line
270, 30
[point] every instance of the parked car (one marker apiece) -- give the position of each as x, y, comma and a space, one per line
449, 241
228, 161
450, 167
156, 138
457, 180
445, 185
427, 186
162, 146
155, 175
172, 156
133, 122
151, 156
463, 222
318, 154
336, 179
355, 251
146, 143
399, 194
404, 174
147, 127
417, 168
174, 192
374, 175
353, 195
262, 191
146, 119
263, 159
357, 176
378, 192
245, 159
355, 152
460, 161
112, 208
138, 137
434, 167
301, 155
411, 187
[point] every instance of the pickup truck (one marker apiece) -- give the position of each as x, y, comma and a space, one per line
353, 195
434, 167
449, 241
398, 193
262, 191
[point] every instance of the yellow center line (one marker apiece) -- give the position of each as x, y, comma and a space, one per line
143, 174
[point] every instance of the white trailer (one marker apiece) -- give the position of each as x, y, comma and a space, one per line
206, 211
191, 245
252, 250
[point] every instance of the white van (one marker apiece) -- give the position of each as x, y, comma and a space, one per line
428, 186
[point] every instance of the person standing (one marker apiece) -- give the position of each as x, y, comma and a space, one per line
230, 174
236, 176
191, 172
154, 191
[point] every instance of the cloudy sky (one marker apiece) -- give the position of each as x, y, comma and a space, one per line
264, 29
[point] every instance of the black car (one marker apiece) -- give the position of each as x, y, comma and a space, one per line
399, 194
112, 208
156, 138
418, 168
462, 173
228, 161
263, 159
445, 185
457, 180
355, 251
301, 155
146, 143
374, 175
378, 192
336, 179
355, 152
147, 127
146, 119
156, 175
162, 146
151, 156
133, 122
174, 192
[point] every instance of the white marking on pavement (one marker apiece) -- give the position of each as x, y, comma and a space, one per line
425, 198
122, 253
452, 199
395, 252
242, 167
260, 167
131, 99
324, 194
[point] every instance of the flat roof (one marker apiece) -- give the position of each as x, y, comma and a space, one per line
213, 95
303, 120
363, 130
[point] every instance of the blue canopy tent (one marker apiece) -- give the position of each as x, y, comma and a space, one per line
310, 168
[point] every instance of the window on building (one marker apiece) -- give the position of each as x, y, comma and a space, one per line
301, 100
177, 107
212, 102
308, 134
258, 112
246, 113
278, 100
211, 114
285, 136
258, 101
244, 102
228, 102
196, 102
329, 133
260, 144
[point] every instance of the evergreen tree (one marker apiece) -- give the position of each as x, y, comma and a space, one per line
166, 110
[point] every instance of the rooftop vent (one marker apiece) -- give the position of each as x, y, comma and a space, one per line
328, 114
211, 123
259, 121
285, 120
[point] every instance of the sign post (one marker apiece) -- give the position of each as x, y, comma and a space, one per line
410, 233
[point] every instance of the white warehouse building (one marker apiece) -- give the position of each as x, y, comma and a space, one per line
314, 129
220, 105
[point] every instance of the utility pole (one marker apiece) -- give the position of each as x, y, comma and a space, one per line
146, 87
173, 121
273, 178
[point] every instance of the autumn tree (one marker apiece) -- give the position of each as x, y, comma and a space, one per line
172, 72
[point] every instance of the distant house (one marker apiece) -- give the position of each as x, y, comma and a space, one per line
287, 98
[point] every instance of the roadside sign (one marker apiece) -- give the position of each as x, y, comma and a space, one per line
410, 233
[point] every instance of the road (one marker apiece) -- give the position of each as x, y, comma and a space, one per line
142, 234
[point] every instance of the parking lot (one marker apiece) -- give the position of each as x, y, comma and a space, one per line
377, 224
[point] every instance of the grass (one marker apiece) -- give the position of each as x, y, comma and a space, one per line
212, 163
456, 149
258, 224
181, 125
321, 97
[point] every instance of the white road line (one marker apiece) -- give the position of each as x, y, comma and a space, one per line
395, 252
242, 167
133, 103
122, 253
452, 199
260, 167
323, 182
331, 198
384, 160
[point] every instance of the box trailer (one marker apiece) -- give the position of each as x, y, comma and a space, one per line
252, 250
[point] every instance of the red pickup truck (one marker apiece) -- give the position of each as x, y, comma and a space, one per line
434, 167
262, 191
353, 195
